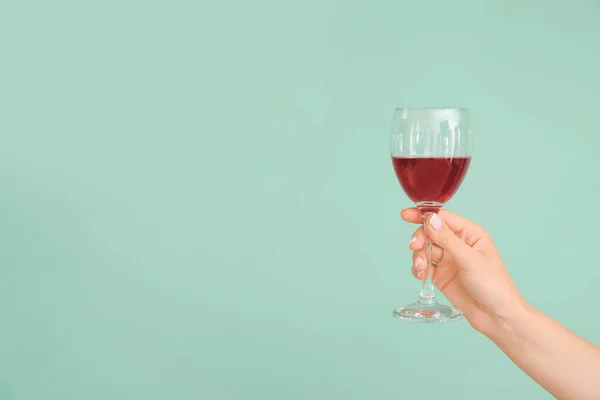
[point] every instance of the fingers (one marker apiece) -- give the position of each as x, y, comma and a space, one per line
411, 215
454, 221
420, 261
417, 240
440, 233
418, 268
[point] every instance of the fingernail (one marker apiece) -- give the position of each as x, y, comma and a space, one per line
420, 274
436, 222
418, 261
412, 240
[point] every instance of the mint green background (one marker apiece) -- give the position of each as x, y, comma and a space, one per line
197, 200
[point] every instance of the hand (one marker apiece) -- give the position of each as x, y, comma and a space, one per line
469, 269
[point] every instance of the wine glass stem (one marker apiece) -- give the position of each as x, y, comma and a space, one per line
427, 292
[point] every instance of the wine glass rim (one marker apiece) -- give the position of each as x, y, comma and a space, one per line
431, 108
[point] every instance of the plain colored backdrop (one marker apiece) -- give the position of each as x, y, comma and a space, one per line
197, 200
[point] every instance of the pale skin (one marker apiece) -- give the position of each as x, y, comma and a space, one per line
473, 277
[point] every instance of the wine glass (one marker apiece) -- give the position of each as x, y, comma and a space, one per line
430, 149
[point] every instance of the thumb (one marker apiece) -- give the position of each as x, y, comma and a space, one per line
440, 234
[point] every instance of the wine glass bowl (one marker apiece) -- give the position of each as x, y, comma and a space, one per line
431, 153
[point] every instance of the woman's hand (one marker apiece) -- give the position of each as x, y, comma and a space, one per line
469, 269
473, 277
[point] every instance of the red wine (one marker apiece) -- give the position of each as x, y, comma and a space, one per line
431, 179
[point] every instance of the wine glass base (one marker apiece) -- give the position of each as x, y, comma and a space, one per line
428, 313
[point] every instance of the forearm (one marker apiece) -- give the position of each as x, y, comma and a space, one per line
563, 363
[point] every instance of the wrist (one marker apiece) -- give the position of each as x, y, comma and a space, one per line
505, 325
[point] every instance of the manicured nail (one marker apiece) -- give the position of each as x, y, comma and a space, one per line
436, 222
418, 261
420, 274
412, 240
